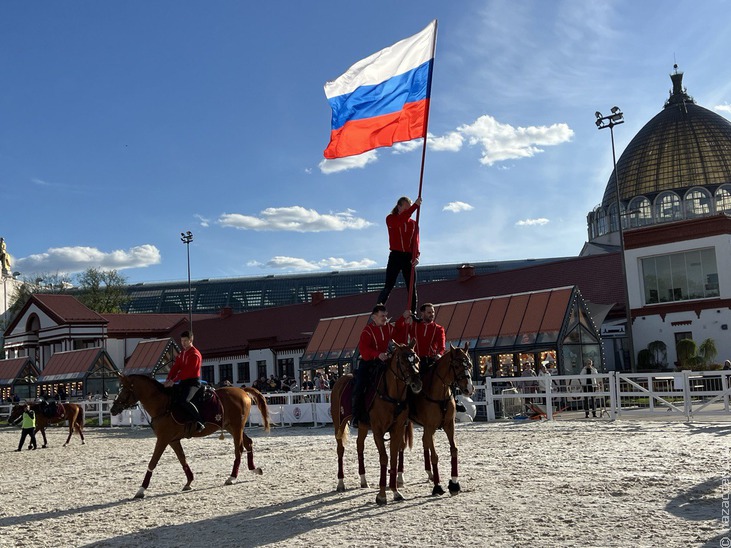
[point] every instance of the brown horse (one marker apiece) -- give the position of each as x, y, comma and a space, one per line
388, 413
434, 408
157, 402
71, 412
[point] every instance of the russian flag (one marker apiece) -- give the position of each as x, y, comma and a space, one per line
384, 98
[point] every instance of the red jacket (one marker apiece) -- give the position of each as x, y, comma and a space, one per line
402, 232
374, 339
430, 339
187, 365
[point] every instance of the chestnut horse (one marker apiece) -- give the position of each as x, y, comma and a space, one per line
71, 412
434, 408
388, 413
157, 403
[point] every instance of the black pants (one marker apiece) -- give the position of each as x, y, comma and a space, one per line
185, 392
361, 379
28, 432
589, 400
398, 261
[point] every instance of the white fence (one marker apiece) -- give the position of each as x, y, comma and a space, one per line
686, 395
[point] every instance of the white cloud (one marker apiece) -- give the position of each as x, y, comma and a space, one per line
451, 142
456, 207
723, 108
294, 219
70, 260
351, 162
295, 263
533, 222
203, 221
407, 146
501, 142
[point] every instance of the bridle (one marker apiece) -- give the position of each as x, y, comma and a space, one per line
405, 370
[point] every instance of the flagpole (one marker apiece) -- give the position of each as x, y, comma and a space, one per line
412, 281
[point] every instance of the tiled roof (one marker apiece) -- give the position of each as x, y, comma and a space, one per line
72, 365
11, 369
148, 355
66, 308
144, 323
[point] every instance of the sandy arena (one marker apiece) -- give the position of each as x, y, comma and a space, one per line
559, 483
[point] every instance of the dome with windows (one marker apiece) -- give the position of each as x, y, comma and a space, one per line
677, 167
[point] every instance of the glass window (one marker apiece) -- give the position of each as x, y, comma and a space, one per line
261, 369
723, 199
225, 372
697, 203
640, 212
285, 367
667, 207
601, 221
243, 375
207, 374
680, 276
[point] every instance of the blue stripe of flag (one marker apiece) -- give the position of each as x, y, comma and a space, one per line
384, 98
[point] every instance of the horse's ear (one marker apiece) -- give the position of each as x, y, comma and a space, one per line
451, 346
412, 344
466, 346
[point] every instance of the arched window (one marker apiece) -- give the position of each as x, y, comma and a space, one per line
601, 222
698, 203
640, 212
723, 199
667, 207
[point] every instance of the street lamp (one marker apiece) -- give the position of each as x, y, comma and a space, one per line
604, 122
186, 238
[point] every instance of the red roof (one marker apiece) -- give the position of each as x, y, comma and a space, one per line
10, 370
148, 355
65, 308
72, 365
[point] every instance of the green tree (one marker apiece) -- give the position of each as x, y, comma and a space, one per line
104, 291
687, 351
708, 351
658, 354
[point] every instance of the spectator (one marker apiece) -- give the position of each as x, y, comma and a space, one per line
29, 428
589, 386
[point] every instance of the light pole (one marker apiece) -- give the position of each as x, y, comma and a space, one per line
186, 238
604, 122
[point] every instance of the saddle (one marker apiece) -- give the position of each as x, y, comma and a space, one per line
53, 411
346, 399
209, 406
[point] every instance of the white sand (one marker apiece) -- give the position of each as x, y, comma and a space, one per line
563, 483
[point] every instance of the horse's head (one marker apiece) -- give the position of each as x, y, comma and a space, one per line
461, 366
406, 365
126, 398
15, 413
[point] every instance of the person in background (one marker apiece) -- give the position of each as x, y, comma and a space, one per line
29, 428
403, 240
588, 385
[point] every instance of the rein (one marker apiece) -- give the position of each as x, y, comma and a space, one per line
447, 386
400, 377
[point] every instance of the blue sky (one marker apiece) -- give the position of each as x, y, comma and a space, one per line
124, 123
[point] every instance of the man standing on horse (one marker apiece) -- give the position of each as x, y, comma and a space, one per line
186, 371
373, 348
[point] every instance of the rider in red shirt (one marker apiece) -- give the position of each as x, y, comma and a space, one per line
429, 335
186, 372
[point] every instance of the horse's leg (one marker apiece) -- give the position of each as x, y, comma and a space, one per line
42, 430
360, 446
249, 446
430, 455
178, 448
340, 439
79, 423
397, 446
427, 456
237, 432
72, 424
156, 454
400, 475
454, 487
383, 460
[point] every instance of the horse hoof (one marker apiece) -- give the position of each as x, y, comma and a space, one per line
340, 488
258, 471
381, 501
454, 487
140, 494
43, 446
398, 497
438, 490
187, 488
229, 481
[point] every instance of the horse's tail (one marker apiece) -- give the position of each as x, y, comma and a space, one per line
409, 435
261, 403
81, 417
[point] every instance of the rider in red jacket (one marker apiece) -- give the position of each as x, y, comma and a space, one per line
186, 372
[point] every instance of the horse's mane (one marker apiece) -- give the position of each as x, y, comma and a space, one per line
157, 384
